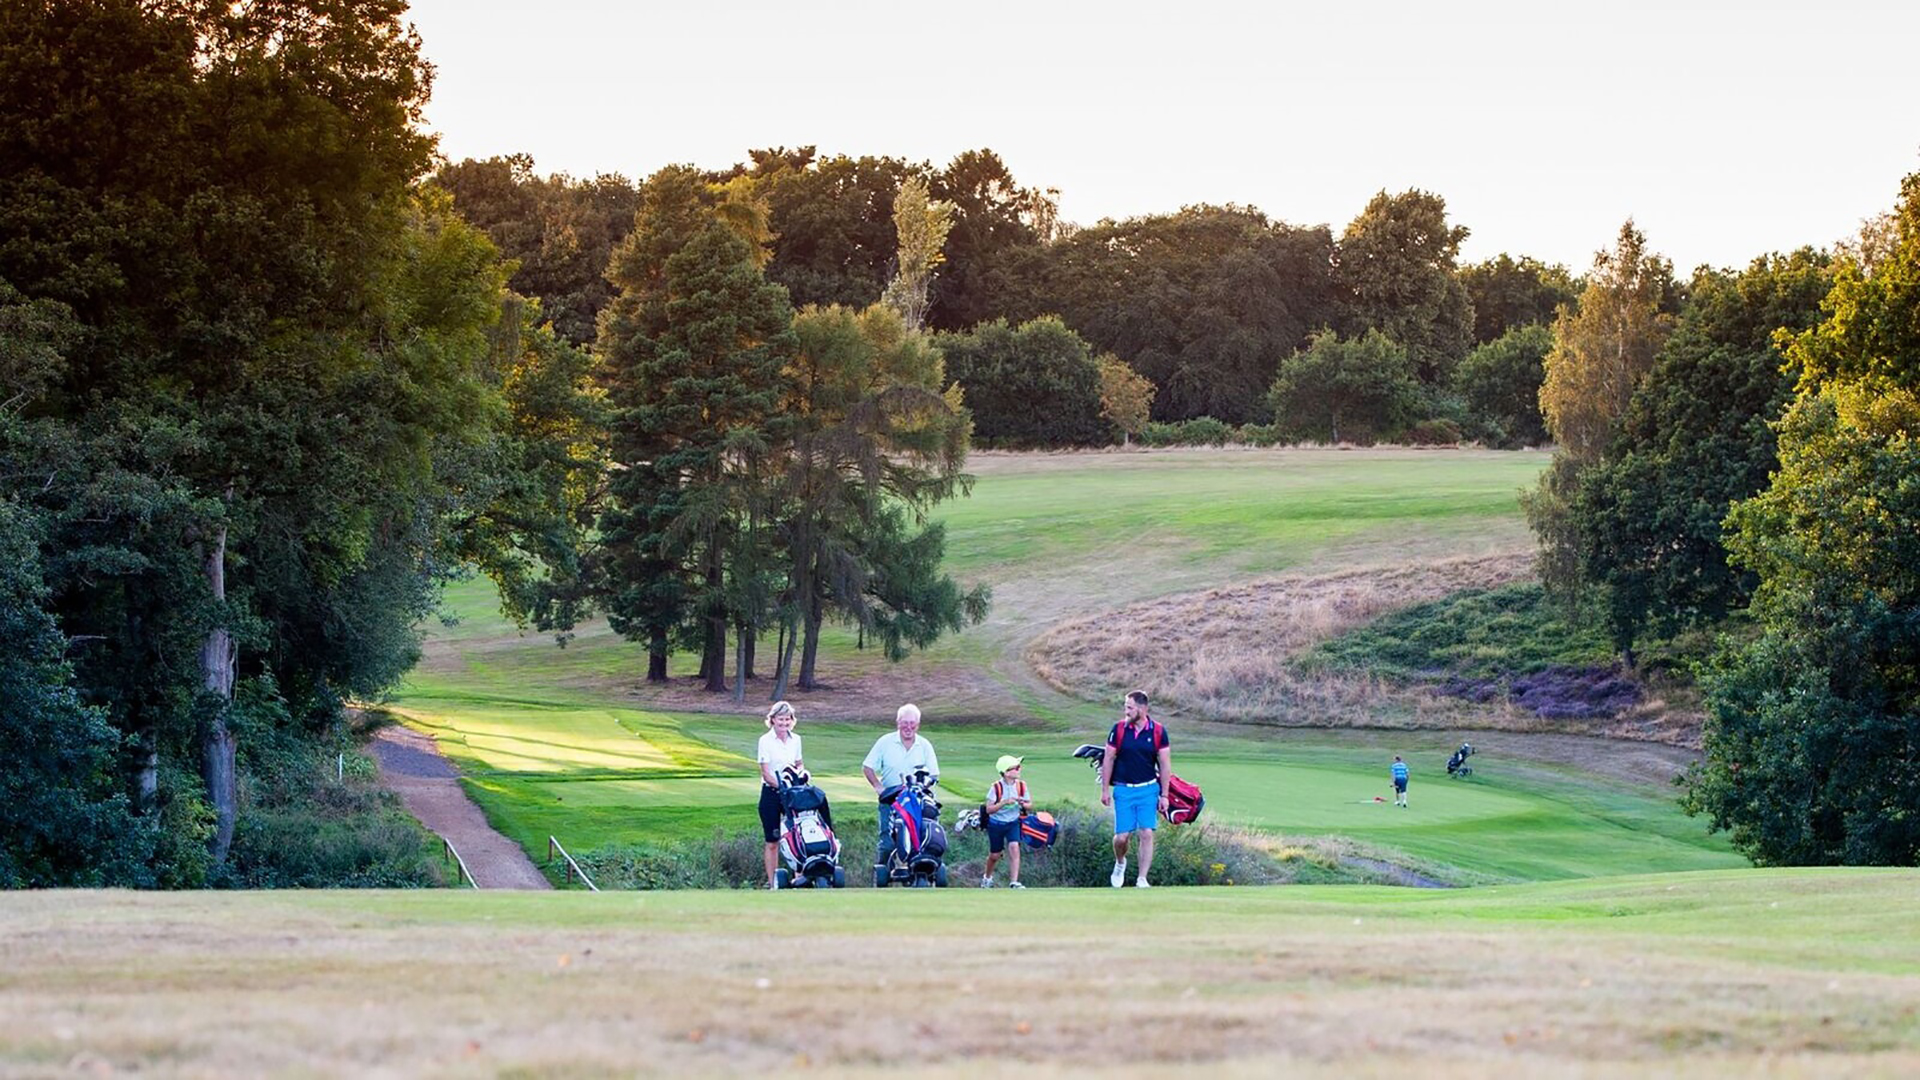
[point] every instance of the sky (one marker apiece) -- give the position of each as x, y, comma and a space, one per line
1725, 130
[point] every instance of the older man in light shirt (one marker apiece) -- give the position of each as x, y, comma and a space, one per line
895, 756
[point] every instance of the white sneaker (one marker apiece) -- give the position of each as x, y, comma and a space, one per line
1015, 885
1119, 875
986, 883
1141, 883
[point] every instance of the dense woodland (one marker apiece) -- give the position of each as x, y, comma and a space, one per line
272, 372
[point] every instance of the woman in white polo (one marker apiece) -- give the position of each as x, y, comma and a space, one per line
779, 749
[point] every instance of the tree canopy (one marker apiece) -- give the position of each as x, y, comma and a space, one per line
1810, 725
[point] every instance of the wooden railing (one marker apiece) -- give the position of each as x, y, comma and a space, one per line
453, 854
573, 868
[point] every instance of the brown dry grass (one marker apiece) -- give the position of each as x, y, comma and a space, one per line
1602, 980
1227, 654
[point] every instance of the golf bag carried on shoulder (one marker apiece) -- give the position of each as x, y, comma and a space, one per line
915, 847
807, 845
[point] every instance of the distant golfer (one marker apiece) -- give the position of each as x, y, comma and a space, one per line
1133, 780
1399, 781
779, 749
895, 756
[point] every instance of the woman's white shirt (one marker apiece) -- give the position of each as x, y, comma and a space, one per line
777, 753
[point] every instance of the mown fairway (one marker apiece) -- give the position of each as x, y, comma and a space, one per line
1721, 974
556, 742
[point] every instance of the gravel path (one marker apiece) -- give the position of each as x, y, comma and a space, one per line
429, 787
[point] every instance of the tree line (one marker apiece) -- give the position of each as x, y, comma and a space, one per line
1736, 455
1221, 313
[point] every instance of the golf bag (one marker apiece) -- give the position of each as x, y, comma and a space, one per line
914, 850
1038, 830
1457, 764
1184, 801
807, 845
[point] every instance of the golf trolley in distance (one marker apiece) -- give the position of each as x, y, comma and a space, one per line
915, 850
1457, 766
808, 848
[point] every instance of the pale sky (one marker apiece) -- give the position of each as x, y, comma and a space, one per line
1725, 129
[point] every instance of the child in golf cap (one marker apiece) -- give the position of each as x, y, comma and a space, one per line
1007, 799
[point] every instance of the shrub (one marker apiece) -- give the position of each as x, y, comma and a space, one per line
1259, 435
1032, 385
1345, 391
1159, 434
313, 813
1203, 431
723, 861
1435, 433
1500, 383
1202, 854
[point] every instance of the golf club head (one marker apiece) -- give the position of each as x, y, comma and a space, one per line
1094, 754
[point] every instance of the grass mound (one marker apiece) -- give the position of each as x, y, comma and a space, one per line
1230, 653
1475, 634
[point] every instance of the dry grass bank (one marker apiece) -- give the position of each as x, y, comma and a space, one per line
1228, 653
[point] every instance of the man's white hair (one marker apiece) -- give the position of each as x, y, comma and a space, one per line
907, 712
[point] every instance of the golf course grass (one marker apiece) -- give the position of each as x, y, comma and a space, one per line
1781, 972
553, 741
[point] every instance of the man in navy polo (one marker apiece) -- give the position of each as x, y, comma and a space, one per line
1133, 780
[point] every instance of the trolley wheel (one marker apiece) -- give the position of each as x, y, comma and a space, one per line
839, 877
879, 877
783, 878
940, 877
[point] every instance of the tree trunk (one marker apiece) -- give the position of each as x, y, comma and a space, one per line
217, 662
149, 779
783, 657
657, 655
715, 662
752, 641
716, 654
810, 650
740, 639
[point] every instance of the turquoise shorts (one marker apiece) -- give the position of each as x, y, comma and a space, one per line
1135, 808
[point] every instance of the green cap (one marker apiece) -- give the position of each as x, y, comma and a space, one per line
1007, 761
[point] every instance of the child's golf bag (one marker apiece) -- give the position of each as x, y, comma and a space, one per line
914, 850
1038, 830
1184, 801
1457, 764
807, 844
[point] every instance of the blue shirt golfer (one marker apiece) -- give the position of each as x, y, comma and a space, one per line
1133, 780
1399, 781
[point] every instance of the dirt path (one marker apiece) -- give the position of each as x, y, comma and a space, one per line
429, 787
